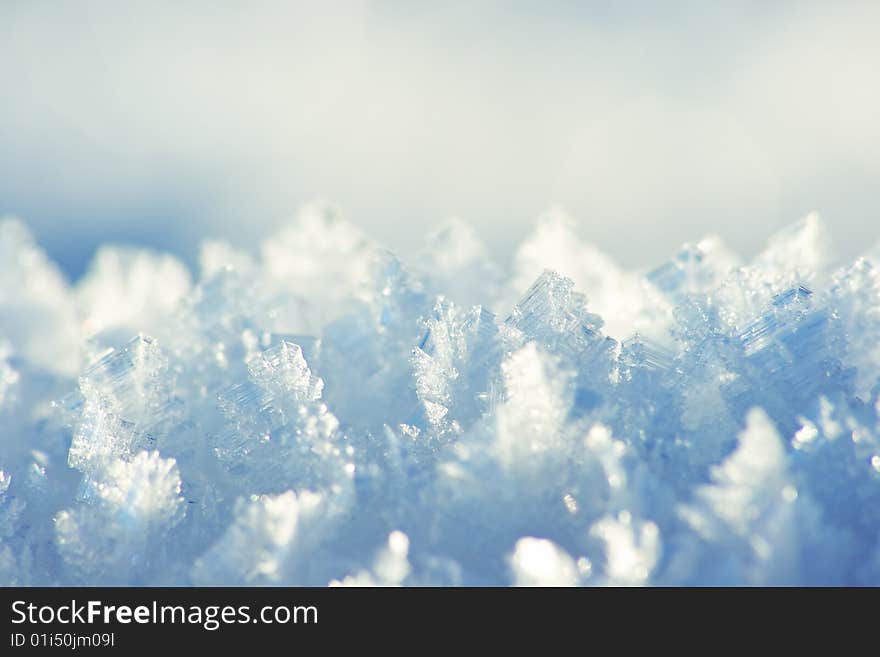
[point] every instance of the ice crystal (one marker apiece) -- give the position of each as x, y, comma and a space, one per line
322, 412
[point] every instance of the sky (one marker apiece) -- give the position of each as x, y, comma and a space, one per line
166, 123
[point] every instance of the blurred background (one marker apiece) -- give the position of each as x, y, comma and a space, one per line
163, 123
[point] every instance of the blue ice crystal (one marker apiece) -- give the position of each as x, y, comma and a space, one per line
323, 412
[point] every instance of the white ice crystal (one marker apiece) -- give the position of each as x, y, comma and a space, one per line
37, 311
455, 263
331, 268
632, 550
617, 295
391, 566
264, 540
322, 412
119, 532
538, 398
119, 292
8, 377
538, 562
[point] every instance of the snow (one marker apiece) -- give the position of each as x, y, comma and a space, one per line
324, 412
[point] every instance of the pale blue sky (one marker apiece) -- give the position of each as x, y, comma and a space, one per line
653, 123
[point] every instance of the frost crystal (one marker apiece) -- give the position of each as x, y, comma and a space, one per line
121, 527
322, 412
538, 562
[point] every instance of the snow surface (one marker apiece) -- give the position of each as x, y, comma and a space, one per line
324, 413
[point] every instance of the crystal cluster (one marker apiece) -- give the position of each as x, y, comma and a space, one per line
324, 413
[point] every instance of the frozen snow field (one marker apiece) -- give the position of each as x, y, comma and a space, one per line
320, 412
